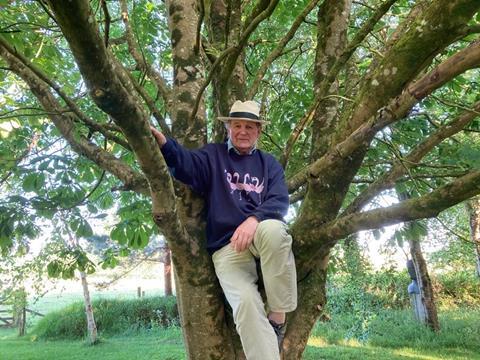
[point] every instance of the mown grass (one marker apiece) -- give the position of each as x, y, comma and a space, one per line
387, 335
157, 344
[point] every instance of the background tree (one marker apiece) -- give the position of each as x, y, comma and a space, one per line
361, 97
474, 212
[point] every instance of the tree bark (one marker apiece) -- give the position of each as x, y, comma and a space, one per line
424, 285
341, 131
474, 212
167, 272
91, 325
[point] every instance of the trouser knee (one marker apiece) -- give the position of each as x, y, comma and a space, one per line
273, 235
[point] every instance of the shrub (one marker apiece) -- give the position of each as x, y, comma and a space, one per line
457, 289
111, 317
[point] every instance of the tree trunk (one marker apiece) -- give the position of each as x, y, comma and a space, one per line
167, 272
92, 327
474, 210
19, 310
424, 285
340, 137
311, 304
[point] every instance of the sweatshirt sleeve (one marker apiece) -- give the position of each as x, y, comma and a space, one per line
275, 203
188, 166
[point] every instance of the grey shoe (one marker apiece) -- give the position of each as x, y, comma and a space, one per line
280, 330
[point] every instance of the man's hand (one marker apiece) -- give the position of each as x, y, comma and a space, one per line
243, 235
161, 139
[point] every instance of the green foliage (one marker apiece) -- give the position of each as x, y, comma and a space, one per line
111, 317
67, 262
459, 289
136, 225
365, 296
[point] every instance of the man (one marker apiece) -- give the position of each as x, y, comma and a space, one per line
246, 199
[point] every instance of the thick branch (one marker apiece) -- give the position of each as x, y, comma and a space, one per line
329, 77
436, 28
65, 124
248, 30
426, 206
278, 51
360, 35
397, 109
110, 91
400, 167
71, 104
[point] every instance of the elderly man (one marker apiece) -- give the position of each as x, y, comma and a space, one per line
246, 199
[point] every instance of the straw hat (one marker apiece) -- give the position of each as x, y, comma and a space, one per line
244, 110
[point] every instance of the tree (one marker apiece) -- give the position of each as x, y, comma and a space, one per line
362, 96
474, 212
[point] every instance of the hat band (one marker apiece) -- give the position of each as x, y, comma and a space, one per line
243, 114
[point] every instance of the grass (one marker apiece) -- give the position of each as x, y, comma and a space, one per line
387, 334
164, 345
395, 335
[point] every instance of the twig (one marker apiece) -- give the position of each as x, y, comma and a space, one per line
107, 21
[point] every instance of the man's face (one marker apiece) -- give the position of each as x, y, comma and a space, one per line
243, 134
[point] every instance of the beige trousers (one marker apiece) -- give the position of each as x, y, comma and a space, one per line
238, 277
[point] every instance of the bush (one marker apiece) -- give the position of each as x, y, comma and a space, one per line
457, 289
374, 291
363, 297
111, 317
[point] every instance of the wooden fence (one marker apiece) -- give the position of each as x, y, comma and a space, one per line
15, 318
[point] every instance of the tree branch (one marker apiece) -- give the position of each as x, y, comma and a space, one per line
111, 92
359, 37
143, 65
278, 51
249, 28
65, 124
398, 108
388, 77
323, 88
207, 81
401, 166
70, 103
426, 206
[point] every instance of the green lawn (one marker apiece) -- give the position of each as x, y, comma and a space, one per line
162, 345
388, 335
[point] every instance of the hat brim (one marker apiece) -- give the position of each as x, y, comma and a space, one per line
227, 118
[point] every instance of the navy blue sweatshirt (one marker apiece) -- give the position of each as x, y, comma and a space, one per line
234, 186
